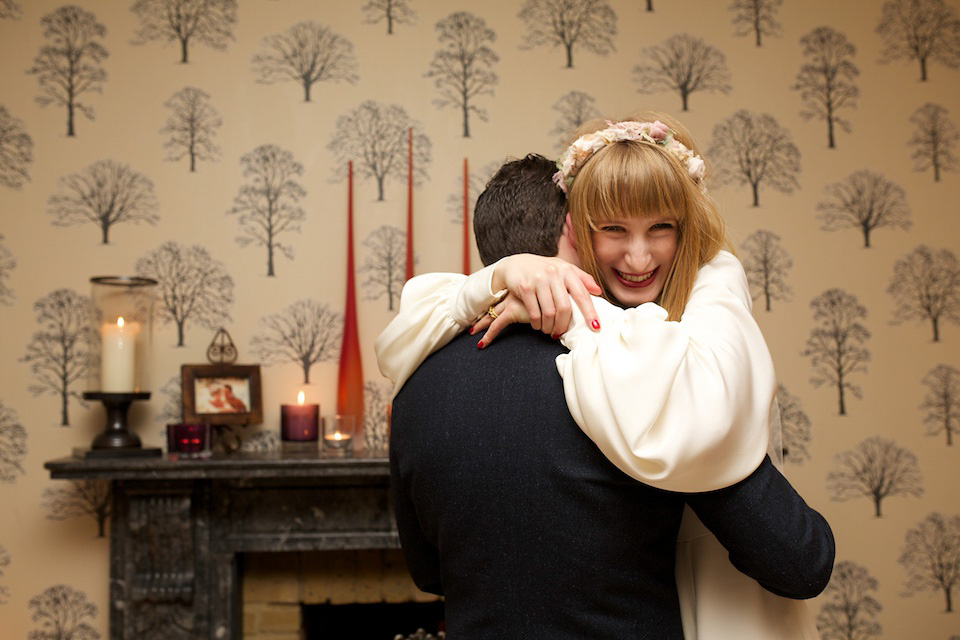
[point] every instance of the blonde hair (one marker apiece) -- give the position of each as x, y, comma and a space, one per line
638, 179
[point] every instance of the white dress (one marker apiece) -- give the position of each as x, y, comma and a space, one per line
683, 406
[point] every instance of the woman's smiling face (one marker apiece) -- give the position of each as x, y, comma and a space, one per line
635, 256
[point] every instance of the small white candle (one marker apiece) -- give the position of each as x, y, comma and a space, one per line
118, 356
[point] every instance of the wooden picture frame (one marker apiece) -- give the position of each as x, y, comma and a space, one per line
221, 393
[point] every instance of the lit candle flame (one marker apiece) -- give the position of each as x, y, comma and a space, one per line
300, 398
120, 322
338, 436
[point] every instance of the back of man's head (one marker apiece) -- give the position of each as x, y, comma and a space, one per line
521, 210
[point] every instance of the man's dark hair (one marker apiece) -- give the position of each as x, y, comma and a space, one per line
521, 210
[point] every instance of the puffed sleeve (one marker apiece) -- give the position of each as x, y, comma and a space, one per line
682, 406
434, 308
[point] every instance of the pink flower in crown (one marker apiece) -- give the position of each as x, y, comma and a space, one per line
696, 167
658, 131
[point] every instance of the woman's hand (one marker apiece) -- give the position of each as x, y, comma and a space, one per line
543, 287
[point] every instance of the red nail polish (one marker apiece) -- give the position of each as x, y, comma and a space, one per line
595, 323
480, 345
555, 336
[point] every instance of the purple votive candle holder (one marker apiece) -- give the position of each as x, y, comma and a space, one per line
188, 440
300, 422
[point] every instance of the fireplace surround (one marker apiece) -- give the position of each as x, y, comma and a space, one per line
179, 529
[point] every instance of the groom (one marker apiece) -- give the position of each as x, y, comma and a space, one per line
511, 513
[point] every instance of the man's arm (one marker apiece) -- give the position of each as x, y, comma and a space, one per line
770, 533
423, 559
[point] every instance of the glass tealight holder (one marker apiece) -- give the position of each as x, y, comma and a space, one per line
338, 433
188, 441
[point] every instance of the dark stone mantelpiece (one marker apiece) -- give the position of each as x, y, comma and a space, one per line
177, 528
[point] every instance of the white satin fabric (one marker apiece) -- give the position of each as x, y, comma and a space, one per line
683, 406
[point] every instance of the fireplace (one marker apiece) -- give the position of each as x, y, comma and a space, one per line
190, 539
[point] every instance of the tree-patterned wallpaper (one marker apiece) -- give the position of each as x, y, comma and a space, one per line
209, 151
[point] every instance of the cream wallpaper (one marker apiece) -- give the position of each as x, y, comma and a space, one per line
834, 149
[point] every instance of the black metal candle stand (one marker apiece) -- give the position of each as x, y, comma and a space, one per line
116, 441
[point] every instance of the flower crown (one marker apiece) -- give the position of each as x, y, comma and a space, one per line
656, 132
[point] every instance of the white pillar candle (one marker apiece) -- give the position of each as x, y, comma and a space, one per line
118, 356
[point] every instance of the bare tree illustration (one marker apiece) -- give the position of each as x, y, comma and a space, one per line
172, 410
391, 11
306, 332
209, 22
685, 65
13, 445
926, 286
82, 498
306, 53
590, 24
376, 420
850, 609
836, 344
375, 136
826, 79
61, 353
104, 194
758, 17
10, 10
942, 402
921, 30
477, 182
4, 563
865, 201
16, 151
766, 263
62, 613
462, 70
877, 469
933, 140
385, 263
575, 108
194, 288
69, 66
7, 264
931, 556
754, 149
795, 427
268, 205
191, 127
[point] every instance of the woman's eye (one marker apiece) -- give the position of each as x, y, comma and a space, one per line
663, 226
611, 228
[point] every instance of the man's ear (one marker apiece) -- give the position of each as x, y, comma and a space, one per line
571, 237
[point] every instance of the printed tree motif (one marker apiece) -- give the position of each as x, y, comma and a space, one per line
385, 264
306, 53
172, 410
208, 22
16, 151
836, 345
826, 79
477, 181
865, 201
942, 402
7, 264
795, 427
393, 11
850, 609
105, 193
191, 127
685, 65
268, 206
13, 445
306, 332
575, 108
375, 137
758, 17
10, 10
4, 563
66, 346
766, 264
590, 24
921, 30
931, 556
933, 140
83, 498
194, 288
61, 612
69, 67
462, 70
262, 442
376, 417
754, 149
877, 469
926, 286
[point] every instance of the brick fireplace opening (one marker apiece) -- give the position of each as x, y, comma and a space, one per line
300, 595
